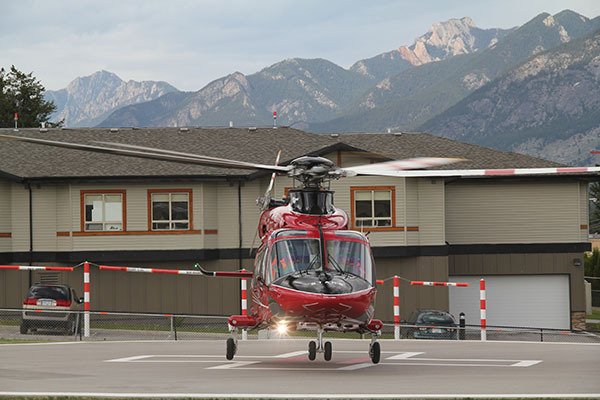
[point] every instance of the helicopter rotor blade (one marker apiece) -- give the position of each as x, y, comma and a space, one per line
488, 172
151, 153
270, 188
212, 161
391, 168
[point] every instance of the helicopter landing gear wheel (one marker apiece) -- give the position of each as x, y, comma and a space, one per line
328, 350
312, 350
375, 352
231, 348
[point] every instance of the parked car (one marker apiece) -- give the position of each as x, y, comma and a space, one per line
431, 324
51, 307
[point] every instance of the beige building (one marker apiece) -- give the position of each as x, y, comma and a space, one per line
526, 236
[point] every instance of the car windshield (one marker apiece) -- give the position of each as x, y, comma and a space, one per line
436, 319
344, 255
49, 292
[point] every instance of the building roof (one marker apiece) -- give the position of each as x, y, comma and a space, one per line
19, 160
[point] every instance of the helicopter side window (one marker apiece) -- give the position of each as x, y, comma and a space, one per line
260, 269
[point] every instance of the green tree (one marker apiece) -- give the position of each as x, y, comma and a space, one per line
23, 94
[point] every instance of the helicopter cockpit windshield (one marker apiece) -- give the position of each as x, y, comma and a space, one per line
346, 253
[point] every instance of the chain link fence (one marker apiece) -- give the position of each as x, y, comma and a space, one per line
48, 325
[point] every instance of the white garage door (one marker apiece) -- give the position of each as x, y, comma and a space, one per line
538, 301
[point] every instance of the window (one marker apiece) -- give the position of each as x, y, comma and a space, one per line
373, 207
170, 209
103, 211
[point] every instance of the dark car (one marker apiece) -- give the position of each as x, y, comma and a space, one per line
430, 324
51, 307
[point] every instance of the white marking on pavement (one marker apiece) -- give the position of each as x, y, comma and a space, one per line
233, 365
356, 366
304, 396
129, 359
292, 354
441, 364
526, 363
403, 356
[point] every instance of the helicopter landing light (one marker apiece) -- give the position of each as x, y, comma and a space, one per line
282, 328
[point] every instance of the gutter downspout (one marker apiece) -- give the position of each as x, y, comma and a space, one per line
30, 232
240, 236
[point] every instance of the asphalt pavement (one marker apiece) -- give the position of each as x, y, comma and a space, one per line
280, 369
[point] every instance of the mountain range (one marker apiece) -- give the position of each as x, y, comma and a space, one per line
88, 100
457, 80
548, 106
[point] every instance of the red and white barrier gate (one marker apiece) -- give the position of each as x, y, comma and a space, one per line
36, 268
482, 309
451, 284
151, 270
244, 274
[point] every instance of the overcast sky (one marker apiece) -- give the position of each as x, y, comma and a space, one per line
190, 43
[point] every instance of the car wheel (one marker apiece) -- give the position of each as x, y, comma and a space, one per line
24, 328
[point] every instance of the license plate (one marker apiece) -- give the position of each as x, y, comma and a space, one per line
46, 302
436, 330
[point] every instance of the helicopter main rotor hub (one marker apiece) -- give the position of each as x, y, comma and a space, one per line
312, 171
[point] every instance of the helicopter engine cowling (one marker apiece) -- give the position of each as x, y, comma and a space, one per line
286, 217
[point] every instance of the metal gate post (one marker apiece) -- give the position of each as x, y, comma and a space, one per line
86, 299
244, 297
482, 309
396, 308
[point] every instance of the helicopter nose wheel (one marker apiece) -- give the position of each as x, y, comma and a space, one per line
312, 350
327, 350
320, 347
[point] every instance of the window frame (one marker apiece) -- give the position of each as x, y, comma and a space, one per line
392, 190
84, 193
189, 192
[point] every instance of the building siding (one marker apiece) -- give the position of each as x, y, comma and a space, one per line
512, 212
5, 216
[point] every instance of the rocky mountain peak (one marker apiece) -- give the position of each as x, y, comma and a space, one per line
443, 40
87, 100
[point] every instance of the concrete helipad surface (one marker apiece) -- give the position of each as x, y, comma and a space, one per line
281, 369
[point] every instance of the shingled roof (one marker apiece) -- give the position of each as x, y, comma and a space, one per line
19, 160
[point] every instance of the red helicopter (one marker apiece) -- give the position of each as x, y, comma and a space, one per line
310, 271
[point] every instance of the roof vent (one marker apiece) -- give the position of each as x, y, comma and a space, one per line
335, 135
231, 124
184, 129
397, 133
389, 130
43, 129
114, 129
252, 128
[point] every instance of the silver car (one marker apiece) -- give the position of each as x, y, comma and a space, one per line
51, 307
